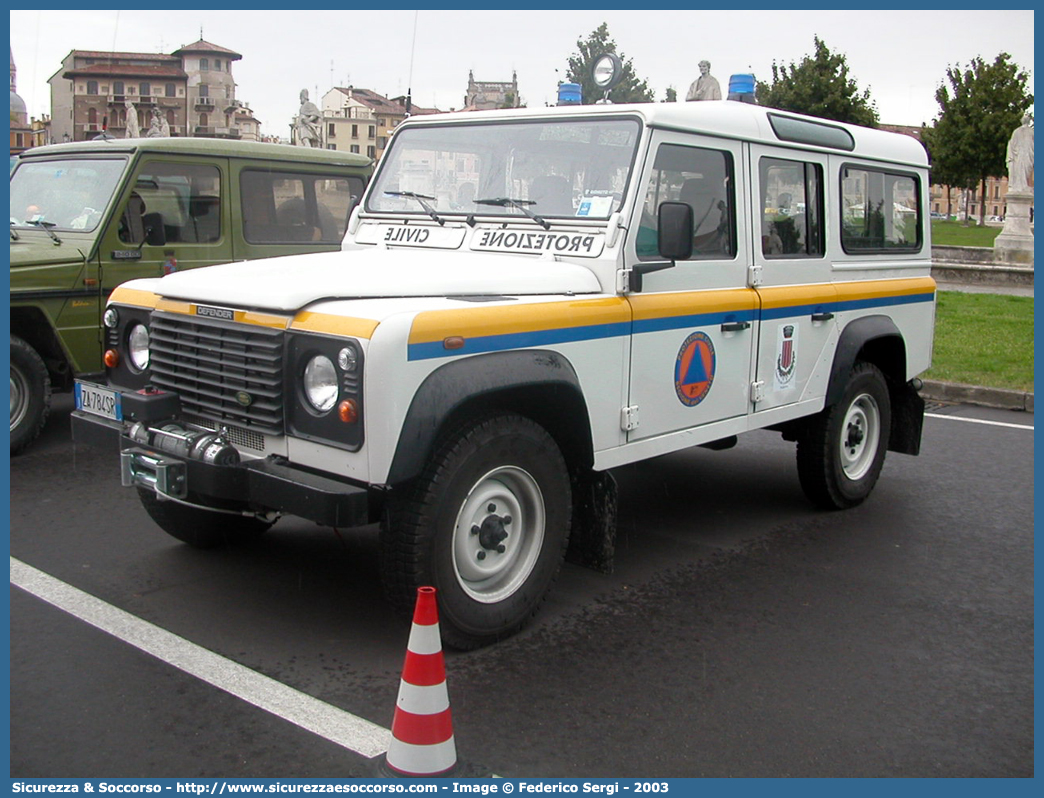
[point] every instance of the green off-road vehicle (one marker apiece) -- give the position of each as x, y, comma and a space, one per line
88, 216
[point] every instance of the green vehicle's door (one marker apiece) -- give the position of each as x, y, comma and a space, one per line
182, 203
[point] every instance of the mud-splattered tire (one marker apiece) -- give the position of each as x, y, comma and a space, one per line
841, 454
486, 524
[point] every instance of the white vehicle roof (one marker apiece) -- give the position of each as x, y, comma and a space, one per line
724, 118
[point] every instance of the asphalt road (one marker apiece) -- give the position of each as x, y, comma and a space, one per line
742, 634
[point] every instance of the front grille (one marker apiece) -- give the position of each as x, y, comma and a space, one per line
237, 436
226, 372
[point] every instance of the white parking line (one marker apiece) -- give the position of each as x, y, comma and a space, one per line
318, 717
979, 421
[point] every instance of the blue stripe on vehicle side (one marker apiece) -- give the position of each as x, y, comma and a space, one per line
497, 343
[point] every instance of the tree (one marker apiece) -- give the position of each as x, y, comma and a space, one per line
979, 110
671, 95
628, 90
818, 86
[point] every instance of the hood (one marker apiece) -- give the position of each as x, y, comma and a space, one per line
35, 248
292, 282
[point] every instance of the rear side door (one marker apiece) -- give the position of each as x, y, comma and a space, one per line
693, 324
186, 199
287, 210
798, 298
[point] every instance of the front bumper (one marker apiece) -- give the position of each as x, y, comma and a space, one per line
263, 485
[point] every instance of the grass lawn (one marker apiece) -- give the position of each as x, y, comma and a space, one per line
983, 339
955, 234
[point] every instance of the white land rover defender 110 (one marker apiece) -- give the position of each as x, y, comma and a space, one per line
524, 300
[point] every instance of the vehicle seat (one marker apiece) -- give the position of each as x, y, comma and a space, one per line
205, 213
552, 196
132, 226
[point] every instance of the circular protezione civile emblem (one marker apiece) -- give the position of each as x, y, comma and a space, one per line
694, 369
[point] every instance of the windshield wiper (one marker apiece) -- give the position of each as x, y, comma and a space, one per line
46, 226
421, 198
507, 202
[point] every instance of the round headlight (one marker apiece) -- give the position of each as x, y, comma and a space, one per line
320, 383
138, 347
111, 318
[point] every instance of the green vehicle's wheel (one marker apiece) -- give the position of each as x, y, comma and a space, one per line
30, 394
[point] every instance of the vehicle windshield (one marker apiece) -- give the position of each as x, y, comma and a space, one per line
540, 169
63, 194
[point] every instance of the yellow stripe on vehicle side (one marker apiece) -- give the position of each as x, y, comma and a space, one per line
874, 289
485, 320
688, 303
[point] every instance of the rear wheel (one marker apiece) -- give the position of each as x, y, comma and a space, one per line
30, 394
842, 452
486, 524
199, 528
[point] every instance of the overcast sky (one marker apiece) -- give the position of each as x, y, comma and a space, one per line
900, 56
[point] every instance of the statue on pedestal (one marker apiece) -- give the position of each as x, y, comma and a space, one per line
159, 127
1020, 158
306, 123
705, 87
1015, 242
132, 119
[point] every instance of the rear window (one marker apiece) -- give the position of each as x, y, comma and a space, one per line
880, 210
295, 207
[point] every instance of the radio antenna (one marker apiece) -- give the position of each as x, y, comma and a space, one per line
409, 80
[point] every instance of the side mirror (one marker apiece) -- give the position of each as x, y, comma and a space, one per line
675, 229
155, 236
674, 222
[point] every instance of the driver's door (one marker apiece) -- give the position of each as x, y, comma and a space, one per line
694, 325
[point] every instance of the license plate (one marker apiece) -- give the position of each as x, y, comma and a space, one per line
98, 401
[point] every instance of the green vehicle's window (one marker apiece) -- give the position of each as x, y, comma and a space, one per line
68, 194
184, 198
285, 208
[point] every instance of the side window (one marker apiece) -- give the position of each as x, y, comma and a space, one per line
792, 208
879, 210
184, 198
702, 178
283, 207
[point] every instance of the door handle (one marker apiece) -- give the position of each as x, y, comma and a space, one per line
822, 316
734, 326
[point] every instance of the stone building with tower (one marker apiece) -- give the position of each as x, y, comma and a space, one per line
25, 132
488, 95
192, 90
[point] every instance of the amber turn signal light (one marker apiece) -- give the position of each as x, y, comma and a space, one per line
348, 411
112, 358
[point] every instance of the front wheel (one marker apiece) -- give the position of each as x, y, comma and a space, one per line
486, 524
842, 452
199, 528
30, 394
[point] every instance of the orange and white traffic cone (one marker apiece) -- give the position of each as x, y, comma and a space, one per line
422, 731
